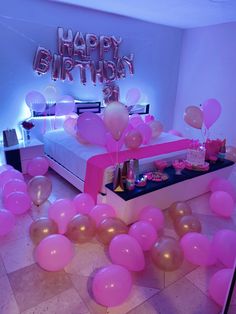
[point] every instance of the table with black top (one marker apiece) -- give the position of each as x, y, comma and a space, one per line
187, 185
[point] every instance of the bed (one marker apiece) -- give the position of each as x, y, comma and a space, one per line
70, 158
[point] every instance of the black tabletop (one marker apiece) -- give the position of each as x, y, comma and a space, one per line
173, 178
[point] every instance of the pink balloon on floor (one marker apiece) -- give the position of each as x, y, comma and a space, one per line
221, 203
9, 174
154, 216
219, 184
7, 221
219, 285
54, 252
101, 211
124, 250
175, 132
14, 185
38, 166
83, 203
111, 285
144, 233
17, 202
198, 249
62, 211
224, 247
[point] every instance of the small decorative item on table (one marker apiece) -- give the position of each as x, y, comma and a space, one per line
179, 165
141, 181
213, 148
157, 176
27, 126
160, 165
196, 157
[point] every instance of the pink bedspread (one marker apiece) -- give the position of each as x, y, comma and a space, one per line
97, 164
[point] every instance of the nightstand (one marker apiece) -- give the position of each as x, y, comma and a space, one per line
19, 155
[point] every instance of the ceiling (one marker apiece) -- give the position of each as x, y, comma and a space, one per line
178, 13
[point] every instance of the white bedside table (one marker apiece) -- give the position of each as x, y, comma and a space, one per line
19, 155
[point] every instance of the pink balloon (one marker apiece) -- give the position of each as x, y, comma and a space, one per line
156, 127
211, 112
135, 120
62, 211
219, 184
221, 203
124, 250
70, 126
113, 145
149, 118
38, 166
133, 139
175, 132
17, 202
224, 246
54, 252
5, 167
35, 101
9, 174
219, 285
65, 106
101, 211
154, 216
14, 185
111, 285
116, 119
83, 203
91, 128
145, 131
132, 96
7, 221
198, 249
144, 233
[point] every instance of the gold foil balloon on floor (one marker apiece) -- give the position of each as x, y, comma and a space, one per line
39, 189
187, 224
109, 228
179, 209
41, 228
81, 229
167, 254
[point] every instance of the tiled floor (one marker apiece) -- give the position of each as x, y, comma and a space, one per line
25, 288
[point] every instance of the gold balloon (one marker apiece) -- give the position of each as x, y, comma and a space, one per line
81, 229
179, 209
39, 189
109, 228
41, 228
187, 224
231, 153
193, 116
167, 254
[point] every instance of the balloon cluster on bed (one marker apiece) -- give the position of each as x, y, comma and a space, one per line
114, 128
78, 220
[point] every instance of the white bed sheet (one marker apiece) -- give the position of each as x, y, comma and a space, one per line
72, 155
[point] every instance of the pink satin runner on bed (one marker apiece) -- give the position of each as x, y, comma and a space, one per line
97, 164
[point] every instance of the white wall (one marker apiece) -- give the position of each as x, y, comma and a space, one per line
208, 70
26, 24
